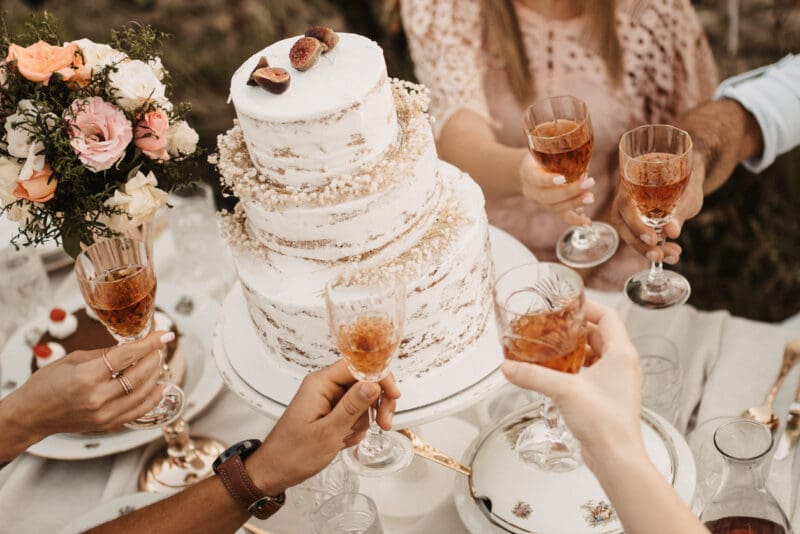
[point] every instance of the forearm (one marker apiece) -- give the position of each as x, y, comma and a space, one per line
204, 507
642, 497
468, 142
723, 134
17, 431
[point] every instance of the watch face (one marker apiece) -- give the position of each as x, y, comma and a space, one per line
243, 449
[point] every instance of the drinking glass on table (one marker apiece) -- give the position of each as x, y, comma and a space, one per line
348, 513
540, 319
661, 375
117, 280
561, 140
366, 321
655, 163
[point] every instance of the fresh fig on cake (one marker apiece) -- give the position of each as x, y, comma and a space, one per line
325, 35
273, 79
262, 64
305, 53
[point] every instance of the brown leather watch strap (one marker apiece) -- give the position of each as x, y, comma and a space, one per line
241, 487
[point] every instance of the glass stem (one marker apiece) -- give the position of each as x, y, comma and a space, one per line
582, 236
656, 275
549, 413
373, 442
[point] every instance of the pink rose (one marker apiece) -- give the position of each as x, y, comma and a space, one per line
150, 134
99, 132
40, 187
40, 60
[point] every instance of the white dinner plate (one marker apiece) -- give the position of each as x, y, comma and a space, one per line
251, 373
201, 386
115, 508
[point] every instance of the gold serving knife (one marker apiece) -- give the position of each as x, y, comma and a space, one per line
792, 431
429, 452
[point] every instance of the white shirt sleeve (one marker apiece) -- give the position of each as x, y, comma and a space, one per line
772, 95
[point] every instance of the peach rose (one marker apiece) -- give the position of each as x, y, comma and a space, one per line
150, 134
40, 61
40, 187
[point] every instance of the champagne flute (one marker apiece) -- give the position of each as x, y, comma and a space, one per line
366, 321
561, 140
655, 163
540, 318
117, 280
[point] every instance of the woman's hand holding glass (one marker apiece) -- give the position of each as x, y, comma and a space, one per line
551, 193
78, 394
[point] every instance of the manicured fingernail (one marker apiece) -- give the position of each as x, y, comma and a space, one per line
652, 256
588, 198
559, 180
509, 367
366, 390
646, 238
166, 338
587, 183
671, 260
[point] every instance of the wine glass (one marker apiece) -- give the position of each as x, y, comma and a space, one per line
540, 318
348, 513
117, 280
366, 321
561, 140
655, 163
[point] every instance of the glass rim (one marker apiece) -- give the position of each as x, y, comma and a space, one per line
80, 271
653, 126
578, 125
352, 495
661, 339
744, 420
558, 266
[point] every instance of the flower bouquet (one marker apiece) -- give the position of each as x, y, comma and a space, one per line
90, 142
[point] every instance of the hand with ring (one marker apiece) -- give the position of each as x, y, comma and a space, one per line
86, 391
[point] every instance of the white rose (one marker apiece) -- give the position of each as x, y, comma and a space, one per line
134, 83
97, 55
181, 139
140, 201
9, 172
18, 138
157, 67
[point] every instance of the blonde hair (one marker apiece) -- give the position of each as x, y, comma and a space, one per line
504, 33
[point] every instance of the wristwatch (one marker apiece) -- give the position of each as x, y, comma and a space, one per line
229, 466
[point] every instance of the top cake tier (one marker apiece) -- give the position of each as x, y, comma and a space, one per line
336, 117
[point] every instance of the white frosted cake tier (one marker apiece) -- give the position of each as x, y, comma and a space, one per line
335, 117
387, 221
449, 273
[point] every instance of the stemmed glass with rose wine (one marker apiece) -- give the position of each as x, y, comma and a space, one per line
366, 320
655, 163
561, 140
540, 319
118, 282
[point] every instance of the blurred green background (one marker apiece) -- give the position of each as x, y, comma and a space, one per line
742, 253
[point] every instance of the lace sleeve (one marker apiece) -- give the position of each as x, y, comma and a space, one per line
696, 75
444, 37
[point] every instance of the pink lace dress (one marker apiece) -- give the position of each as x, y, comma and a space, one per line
668, 68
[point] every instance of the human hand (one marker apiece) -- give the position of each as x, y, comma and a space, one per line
600, 404
642, 237
551, 192
77, 393
328, 413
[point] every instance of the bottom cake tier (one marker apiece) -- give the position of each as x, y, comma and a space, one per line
449, 274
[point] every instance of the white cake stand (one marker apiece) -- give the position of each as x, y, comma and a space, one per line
258, 377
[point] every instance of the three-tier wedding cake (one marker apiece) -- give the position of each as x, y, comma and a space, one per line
339, 172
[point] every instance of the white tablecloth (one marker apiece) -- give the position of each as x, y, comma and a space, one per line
728, 365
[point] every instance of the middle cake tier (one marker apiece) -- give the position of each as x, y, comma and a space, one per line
448, 273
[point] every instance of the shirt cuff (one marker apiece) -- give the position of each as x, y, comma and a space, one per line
772, 96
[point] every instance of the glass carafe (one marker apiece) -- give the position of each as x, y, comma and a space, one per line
743, 504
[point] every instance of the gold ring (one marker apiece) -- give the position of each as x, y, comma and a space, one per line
114, 374
126, 384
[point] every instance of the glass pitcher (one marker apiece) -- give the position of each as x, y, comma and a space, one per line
743, 503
